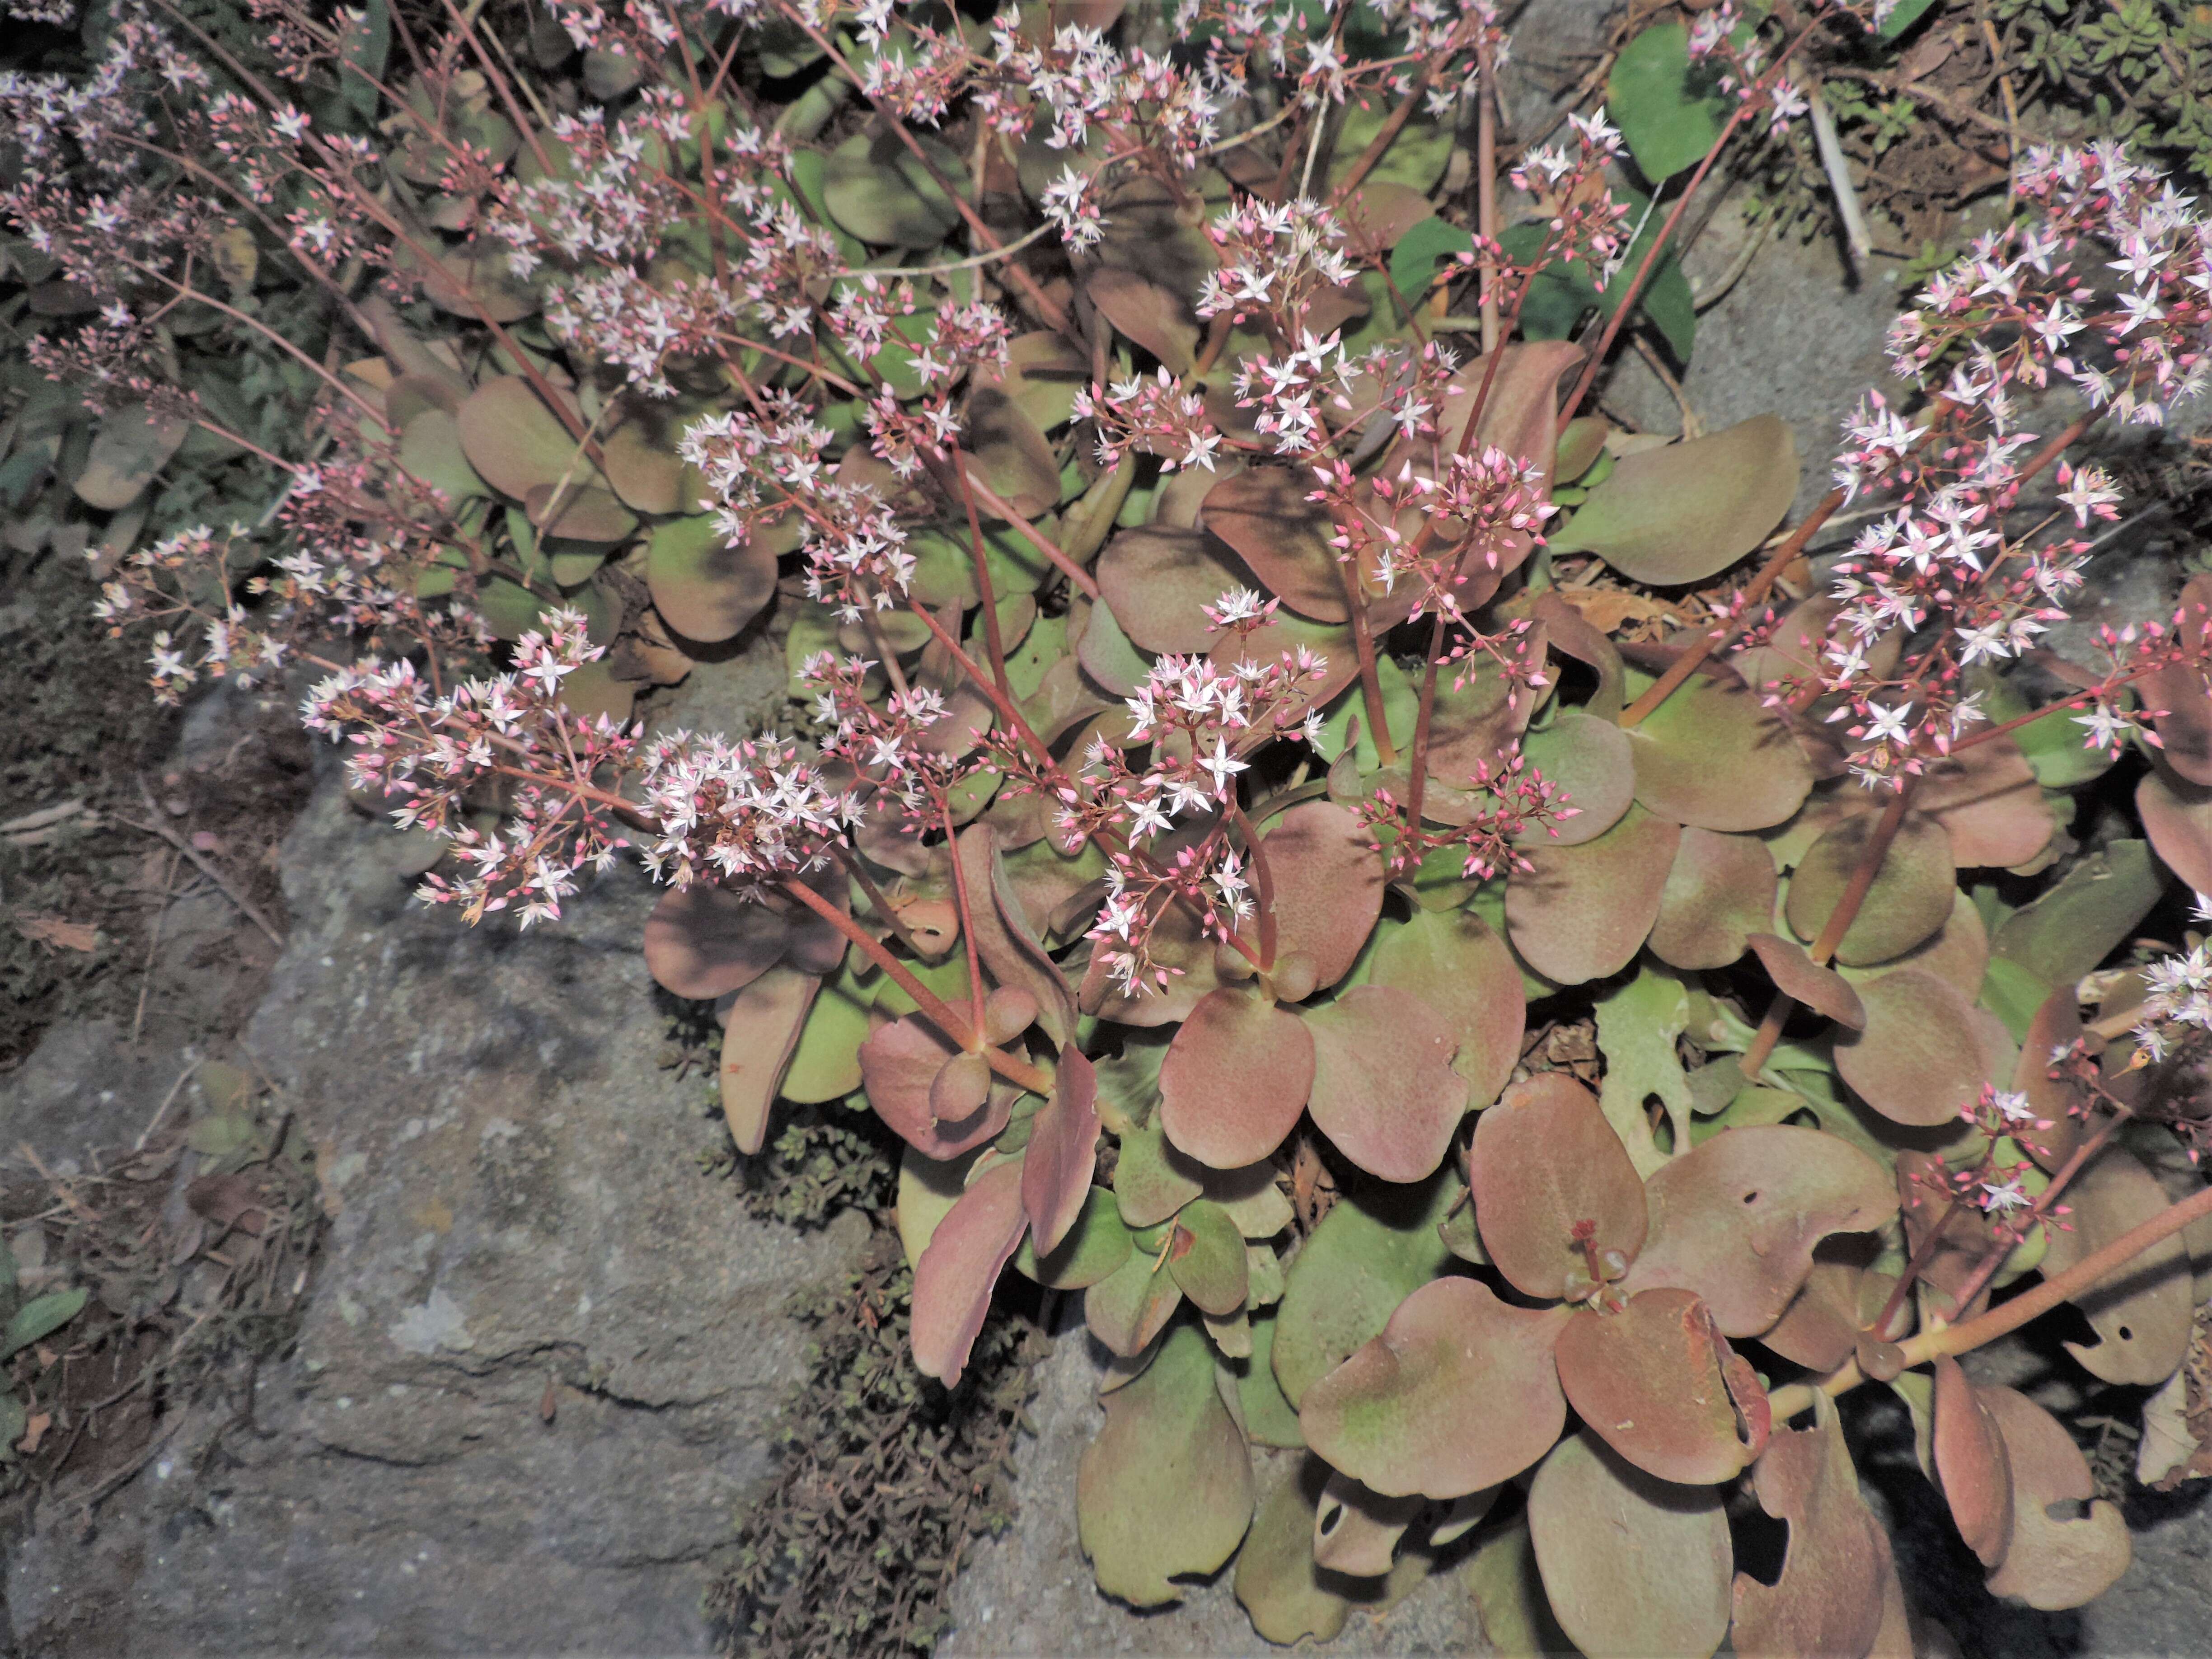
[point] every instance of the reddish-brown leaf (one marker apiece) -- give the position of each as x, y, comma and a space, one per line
1796, 973
1005, 937
704, 941
1235, 1079
1719, 893
1581, 913
1062, 1153
1971, 1465
1283, 539
1829, 1599
1158, 579
1458, 1393
760, 1033
1634, 1567
1453, 961
1989, 803
2177, 815
1736, 1218
1660, 1386
1544, 1161
952, 1281
2141, 1311
899, 1064
1921, 1054
1328, 888
2051, 1563
1383, 1091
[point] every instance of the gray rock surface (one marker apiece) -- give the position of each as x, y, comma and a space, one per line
517, 1208
1030, 1592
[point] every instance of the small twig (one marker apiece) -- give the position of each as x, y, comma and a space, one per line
42, 818
245, 906
167, 1101
1702, 302
1692, 426
1839, 169
2012, 107
153, 946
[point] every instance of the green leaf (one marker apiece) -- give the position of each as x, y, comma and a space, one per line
1561, 293
826, 1066
1371, 1252
1684, 512
1413, 261
2089, 913
363, 48
40, 1316
1417, 156
1906, 14
1166, 1488
875, 188
1664, 105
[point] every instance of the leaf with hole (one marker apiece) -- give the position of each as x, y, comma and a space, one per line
1660, 1385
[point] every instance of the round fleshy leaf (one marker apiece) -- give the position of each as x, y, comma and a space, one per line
1143, 311
1660, 1386
2095, 908
1152, 1179
430, 451
1958, 954
1062, 1152
1206, 1256
1710, 755
1132, 1305
1829, 1598
1283, 539
1279, 1583
1010, 455
900, 1067
2141, 1310
1453, 961
577, 512
1989, 803
1157, 579
1166, 1488
1592, 760
1095, 1248
760, 1030
2056, 1026
704, 941
1235, 1079
1840, 1300
1043, 372
1544, 1161
1735, 1219
516, 443
1796, 974
2049, 1562
131, 445
1581, 913
1632, 1565
706, 589
1718, 894
1683, 511
928, 1190
876, 190
1971, 1465
953, 1281
1921, 1056
1328, 888
1371, 1251
1456, 1393
1383, 1091
1357, 1529
1910, 898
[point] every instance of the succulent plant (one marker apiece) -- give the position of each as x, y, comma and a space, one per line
1222, 846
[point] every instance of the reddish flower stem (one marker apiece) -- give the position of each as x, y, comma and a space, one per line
1954, 1339
957, 1031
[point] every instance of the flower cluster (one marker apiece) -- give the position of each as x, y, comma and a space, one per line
436, 752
